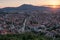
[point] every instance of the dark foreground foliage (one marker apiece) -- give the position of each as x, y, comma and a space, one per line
26, 36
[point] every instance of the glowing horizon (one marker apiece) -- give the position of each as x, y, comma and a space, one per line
15, 3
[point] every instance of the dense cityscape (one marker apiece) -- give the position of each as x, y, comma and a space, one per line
36, 21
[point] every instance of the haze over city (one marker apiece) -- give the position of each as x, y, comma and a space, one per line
15, 3
29, 19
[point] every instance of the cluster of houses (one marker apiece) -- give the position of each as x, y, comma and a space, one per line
13, 23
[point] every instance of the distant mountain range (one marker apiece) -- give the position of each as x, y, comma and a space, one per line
26, 7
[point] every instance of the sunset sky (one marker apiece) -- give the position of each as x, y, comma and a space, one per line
15, 3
